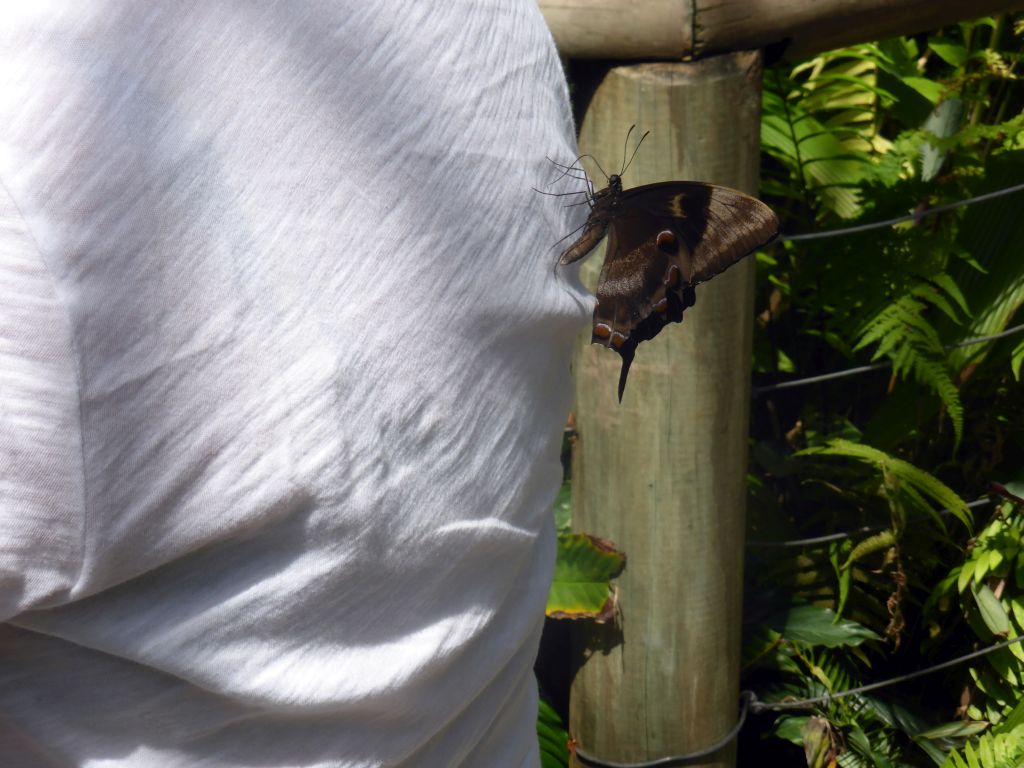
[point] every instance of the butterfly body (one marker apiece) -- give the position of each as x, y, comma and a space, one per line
664, 239
603, 205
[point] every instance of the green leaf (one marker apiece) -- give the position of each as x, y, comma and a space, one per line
997, 295
1016, 487
1015, 649
956, 729
563, 507
998, 749
584, 565
980, 567
790, 728
817, 741
949, 51
930, 293
844, 575
821, 627
554, 741
1008, 669
972, 759
915, 478
948, 284
903, 332
817, 156
943, 122
785, 365
992, 612
966, 575
877, 543
994, 560
931, 90
1013, 720
1016, 360
860, 743
911, 107
1017, 609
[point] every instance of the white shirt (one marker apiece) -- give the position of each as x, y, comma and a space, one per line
284, 363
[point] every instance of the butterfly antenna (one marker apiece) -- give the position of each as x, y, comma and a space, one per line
635, 150
598, 165
625, 148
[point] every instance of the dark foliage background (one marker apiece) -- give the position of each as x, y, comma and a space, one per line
895, 466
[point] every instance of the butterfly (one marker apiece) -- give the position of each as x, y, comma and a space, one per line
664, 239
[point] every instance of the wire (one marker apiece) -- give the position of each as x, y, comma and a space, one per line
747, 698
750, 703
780, 706
755, 544
758, 391
901, 219
978, 340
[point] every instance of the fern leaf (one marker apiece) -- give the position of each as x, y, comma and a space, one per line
1016, 359
925, 484
870, 545
935, 375
933, 296
902, 333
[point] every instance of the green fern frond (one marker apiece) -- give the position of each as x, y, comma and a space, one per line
994, 318
934, 374
924, 484
903, 334
948, 284
842, 137
1017, 360
935, 297
991, 750
900, 324
869, 546
820, 122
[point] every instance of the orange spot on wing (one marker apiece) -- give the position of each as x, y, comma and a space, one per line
666, 240
672, 276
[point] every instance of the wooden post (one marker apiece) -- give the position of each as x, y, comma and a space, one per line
663, 474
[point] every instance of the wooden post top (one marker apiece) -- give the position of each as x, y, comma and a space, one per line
687, 29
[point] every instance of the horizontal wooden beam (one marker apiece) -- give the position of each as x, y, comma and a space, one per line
686, 29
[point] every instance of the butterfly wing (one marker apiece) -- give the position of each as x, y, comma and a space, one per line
663, 240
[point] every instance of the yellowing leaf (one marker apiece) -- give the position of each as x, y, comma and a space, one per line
583, 567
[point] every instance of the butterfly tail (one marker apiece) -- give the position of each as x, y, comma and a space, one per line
627, 351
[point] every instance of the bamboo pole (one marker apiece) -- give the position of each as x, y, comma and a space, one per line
662, 474
684, 29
